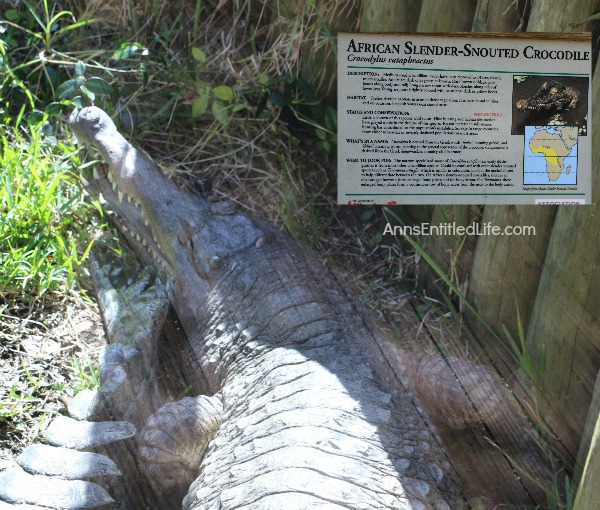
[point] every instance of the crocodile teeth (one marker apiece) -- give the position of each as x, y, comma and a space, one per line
137, 236
95, 173
84, 181
114, 186
101, 199
129, 198
120, 194
146, 222
110, 177
144, 243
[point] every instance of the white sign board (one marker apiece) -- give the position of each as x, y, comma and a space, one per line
465, 118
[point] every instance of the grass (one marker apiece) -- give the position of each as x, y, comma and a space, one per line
42, 216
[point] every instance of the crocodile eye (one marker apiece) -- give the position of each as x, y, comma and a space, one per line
215, 263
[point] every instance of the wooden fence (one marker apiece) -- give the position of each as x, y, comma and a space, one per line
550, 281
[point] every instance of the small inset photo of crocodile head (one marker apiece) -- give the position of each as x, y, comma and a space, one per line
549, 101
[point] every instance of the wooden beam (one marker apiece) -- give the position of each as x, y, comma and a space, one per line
446, 16
390, 15
588, 479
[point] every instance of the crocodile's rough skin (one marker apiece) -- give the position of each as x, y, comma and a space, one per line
305, 422
289, 412
552, 96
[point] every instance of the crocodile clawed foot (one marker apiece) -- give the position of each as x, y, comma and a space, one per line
174, 441
60, 475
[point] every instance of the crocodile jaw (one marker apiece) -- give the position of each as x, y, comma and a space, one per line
190, 238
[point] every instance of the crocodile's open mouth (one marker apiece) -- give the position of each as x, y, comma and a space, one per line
127, 213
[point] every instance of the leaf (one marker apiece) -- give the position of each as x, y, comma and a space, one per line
321, 135
69, 87
54, 109
79, 68
367, 214
11, 15
198, 55
88, 93
126, 50
199, 106
304, 87
263, 79
277, 99
219, 110
98, 86
51, 74
76, 102
238, 107
224, 92
35, 118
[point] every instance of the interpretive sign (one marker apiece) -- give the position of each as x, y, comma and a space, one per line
464, 118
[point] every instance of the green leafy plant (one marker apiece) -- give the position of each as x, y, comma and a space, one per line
297, 96
40, 203
33, 41
89, 87
222, 99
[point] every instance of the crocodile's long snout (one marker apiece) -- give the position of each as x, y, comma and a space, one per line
151, 207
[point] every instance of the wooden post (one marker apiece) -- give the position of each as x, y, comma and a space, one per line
499, 16
558, 15
587, 472
506, 270
390, 15
588, 495
564, 326
446, 16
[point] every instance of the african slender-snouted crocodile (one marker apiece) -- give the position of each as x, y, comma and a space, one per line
293, 415
551, 96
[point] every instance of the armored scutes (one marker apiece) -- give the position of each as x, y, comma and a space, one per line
294, 405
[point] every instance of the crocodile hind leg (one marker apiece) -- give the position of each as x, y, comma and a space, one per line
166, 453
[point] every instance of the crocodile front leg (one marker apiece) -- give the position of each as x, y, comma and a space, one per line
174, 441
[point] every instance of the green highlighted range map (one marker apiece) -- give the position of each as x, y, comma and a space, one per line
550, 155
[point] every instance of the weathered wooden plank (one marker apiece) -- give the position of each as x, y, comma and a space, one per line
390, 15
447, 16
487, 475
506, 269
499, 16
452, 253
565, 321
587, 474
558, 15
588, 433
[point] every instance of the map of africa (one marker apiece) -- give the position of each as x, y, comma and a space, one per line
550, 155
